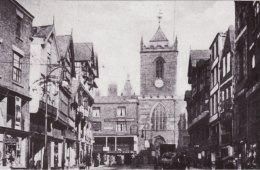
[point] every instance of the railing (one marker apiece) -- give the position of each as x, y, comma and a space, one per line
52, 111
226, 138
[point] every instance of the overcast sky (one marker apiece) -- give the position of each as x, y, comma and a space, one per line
116, 27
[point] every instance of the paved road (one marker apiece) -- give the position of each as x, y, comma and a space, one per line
148, 167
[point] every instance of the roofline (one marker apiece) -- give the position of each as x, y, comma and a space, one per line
218, 34
22, 8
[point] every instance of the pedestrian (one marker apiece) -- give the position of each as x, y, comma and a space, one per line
110, 159
88, 161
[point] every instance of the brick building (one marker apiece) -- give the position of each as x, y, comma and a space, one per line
246, 81
115, 124
198, 105
15, 37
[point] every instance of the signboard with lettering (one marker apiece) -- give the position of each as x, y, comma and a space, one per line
119, 120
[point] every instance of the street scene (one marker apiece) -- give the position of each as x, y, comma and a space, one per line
129, 84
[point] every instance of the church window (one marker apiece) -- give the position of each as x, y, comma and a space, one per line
159, 67
159, 118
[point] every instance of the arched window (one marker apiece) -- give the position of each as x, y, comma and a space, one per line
159, 67
158, 118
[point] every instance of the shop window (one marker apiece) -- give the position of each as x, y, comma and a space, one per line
14, 151
96, 112
121, 112
17, 68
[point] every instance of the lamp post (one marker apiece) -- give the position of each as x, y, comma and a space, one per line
46, 80
146, 143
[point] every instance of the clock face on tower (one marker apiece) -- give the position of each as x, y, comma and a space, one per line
158, 83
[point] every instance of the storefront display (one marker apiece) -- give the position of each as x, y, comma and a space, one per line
14, 152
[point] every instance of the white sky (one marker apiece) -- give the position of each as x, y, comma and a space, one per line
116, 27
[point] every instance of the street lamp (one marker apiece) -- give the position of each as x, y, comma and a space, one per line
47, 79
143, 135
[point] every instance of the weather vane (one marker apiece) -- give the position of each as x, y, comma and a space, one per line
159, 16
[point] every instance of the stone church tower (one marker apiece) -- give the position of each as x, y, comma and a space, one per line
159, 108
158, 66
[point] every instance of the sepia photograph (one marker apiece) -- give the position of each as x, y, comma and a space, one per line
135, 84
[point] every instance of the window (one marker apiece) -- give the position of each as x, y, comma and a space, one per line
227, 93
17, 72
228, 62
96, 112
224, 66
96, 126
159, 118
159, 67
257, 13
213, 53
19, 20
253, 62
121, 127
215, 76
120, 112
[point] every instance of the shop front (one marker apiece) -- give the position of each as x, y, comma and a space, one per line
13, 148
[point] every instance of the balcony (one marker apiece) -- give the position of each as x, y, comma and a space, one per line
63, 117
70, 135
226, 139
37, 128
57, 133
52, 111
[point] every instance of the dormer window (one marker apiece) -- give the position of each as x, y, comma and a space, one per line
159, 67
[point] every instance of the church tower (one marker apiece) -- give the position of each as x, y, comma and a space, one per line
158, 65
159, 108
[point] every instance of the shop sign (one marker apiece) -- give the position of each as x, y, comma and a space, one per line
121, 152
105, 149
146, 144
11, 140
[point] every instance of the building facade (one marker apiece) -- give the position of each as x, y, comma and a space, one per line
198, 105
246, 82
216, 49
115, 126
15, 33
86, 63
226, 95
